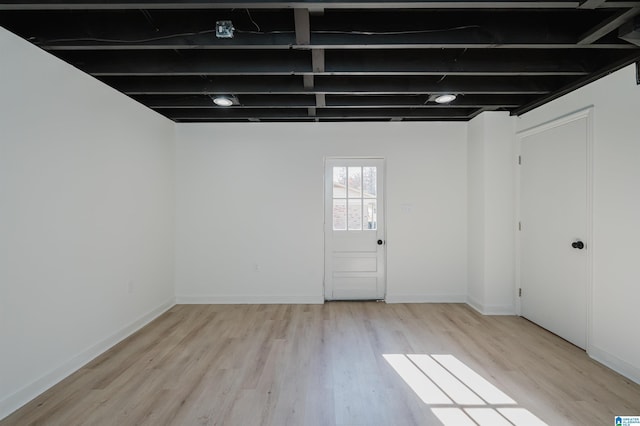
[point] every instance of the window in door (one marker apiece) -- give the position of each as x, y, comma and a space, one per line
355, 198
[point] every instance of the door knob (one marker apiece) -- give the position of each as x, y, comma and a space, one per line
380, 242
577, 245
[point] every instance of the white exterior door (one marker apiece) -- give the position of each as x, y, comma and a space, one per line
354, 229
553, 236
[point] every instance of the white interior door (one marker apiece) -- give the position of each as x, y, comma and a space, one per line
553, 236
354, 229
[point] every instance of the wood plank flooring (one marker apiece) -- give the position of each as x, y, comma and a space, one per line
325, 365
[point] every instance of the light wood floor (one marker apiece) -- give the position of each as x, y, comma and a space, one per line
324, 365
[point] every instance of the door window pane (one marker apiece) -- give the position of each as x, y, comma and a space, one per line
369, 183
354, 198
370, 212
339, 182
339, 215
355, 182
355, 214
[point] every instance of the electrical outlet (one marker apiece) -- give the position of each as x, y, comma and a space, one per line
256, 267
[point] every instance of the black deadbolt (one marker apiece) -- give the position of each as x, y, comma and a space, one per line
578, 245
380, 242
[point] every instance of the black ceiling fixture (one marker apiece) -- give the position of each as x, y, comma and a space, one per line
335, 60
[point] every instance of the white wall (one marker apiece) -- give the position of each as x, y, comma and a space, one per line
500, 225
86, 207
476, 213
253, 194
614, 337
491, 224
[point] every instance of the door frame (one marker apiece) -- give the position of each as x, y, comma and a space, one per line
584, 113
382, 205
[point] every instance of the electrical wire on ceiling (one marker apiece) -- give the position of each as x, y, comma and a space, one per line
369, 33
143, 40
251, 18
149, 19
190, 34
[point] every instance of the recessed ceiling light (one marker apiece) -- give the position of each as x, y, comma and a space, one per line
445, 99
223, 101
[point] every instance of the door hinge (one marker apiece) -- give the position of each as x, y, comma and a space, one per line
519, 159
520, 292
519, 226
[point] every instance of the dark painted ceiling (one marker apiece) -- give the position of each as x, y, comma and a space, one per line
335, 60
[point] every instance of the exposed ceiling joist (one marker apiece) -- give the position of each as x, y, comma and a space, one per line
607, 26
592, 4
336, 85
258, 4
357, 62
573, 85
303, 27
269, 29
307, 82
336, 60
317, 61
303, 38
417, 101
321, 100
334, 101
191, 114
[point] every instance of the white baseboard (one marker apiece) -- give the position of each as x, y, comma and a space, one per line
426, 298
616, 364
249, 300
471, 301
499, 310
29, 392
491, 309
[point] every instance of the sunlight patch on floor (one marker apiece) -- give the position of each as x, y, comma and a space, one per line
521, 416
456, 394
487, 416
477, 383
453, 416
428, 392
453, 387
